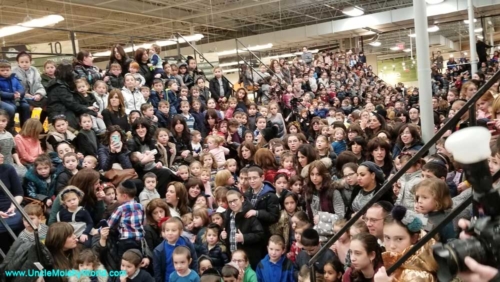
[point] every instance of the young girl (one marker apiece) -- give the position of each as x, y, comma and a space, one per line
131, 261
224, 178
217, 150
207, 160
162, 261
70, 164
333, 270
406, 183
289, 206
211, 106
232, 166
276, 118
296, 183
8, 146
132, 97
288, 164
339, 145
240, 258
214, 248
89, 100
195, 169
27, 143
323, 147
402, 229
242, 99
88, 261
217, 218
341, 247
366, 257
101, 94
432, 199
204, 264
281, 184
75, 215
484, 105
232, 107
261, 123
166, 149
300, 223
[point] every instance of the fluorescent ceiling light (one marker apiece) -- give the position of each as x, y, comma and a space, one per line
408, 50
188, 38
251, 48
29, 25
465, 53
312, 51
467, 21
432, 2
395, 48
375, 43
433, 28
230, 70
281, 56
231, 64
480, 37
353, 11
413, 35
480, 29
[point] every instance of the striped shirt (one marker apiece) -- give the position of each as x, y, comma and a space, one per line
129, 217
189, 121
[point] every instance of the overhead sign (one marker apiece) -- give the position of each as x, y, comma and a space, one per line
41, 50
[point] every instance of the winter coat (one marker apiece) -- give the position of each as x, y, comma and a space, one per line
160, 261
10, 85
282, 227
107, 159
24, 260
420, 267
64, 101
254, 241
36, 187
267, 206
146, 72
115, 82
54, 138
398, 150
164, 121
153, 236
83, 143
133, 99
125, 64
166, 158
45, 79
100, 278
62, 180
90, 73
281, 271
406, 196
30, 80
217, 254
102, 100
96, 210
214, 87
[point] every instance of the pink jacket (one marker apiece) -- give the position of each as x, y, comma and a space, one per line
27, 149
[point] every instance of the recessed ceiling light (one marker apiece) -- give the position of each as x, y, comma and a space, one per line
478, 29
433, 28
375, 43
353, 11
408, 50
467, 21
395, 48
432, 2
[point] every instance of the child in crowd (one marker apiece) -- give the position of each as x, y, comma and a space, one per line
412, 177
158, 93
310, 244
432, 199
166, 149
134, 70
275, 266
58, 132
190, 121
129, 217
40, 180
133, 99
163, 114
187, 221
87, 263
163, 263
88, 99
156, 61
231, 165
148, 112
28, 143
149, 193
116, 79
78, 217
181, 258
70, 163
214, 248
240, 258
195, 142
173, 88
333, 271
287, 164
86, 141
101, 94
12, 94
131, 261
339, 145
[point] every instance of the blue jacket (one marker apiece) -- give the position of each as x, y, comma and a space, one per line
398, 150
173, 101
339, 146
321, 113
36, 187
160, 261
9, 85
282, 271
155, 98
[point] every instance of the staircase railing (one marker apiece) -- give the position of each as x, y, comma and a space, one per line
469, 106
178, 35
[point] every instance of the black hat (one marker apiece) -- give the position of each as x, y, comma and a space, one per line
379, 174
129, 184
269, 133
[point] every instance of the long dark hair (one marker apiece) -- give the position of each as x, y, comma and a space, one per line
122, 53
185, 135
146, 123
370, 243
138, 55
309, 152
64, 72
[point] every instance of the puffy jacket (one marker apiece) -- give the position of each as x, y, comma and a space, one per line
107, 159
267, 206
64, 101
133, 99
10, 85
30, 79
115, 82
217, 254
37, 188
406, 197
90, 73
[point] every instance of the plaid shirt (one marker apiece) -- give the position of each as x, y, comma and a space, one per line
130, 217
232, 234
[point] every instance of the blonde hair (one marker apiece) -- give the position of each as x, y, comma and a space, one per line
222, 177
230, 161
31, 129
439, 191
203, 155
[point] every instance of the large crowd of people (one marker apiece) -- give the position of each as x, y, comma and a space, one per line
149, 169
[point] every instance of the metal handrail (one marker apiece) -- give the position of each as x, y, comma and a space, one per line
388, 185
205, 59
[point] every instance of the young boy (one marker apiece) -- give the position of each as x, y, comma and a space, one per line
275, 266
196, 142
89, 162
243, 181
234, 139
182, 259
146, 93
183, 95
183, 172
190, 121
12, 95
149, 193
70, 163
310, 246
148, 112
220, 198
40, 180
129, 217
163, 114
252, 116
241, 232
173, 88
195, 95
116, 79
199, 117
134, 70
231, 273
156, 61
86, 139
158, 93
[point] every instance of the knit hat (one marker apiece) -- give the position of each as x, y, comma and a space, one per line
73, 189
379, 174
408, 217
269, 133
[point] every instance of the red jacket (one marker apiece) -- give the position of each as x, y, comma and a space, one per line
269, 175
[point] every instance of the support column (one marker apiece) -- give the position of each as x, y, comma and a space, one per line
492, 42
423, 69
472, 37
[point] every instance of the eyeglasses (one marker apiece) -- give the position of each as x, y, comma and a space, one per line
349, 175
371, 220
233, 202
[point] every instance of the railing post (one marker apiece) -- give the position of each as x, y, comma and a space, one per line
472, 38
312, 273
73, 43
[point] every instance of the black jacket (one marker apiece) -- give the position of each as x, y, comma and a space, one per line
267, 206
107, 159
134, 145
83, 144
217, 255
152, 236
115, 82
214, 87
253, 234
61, 100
